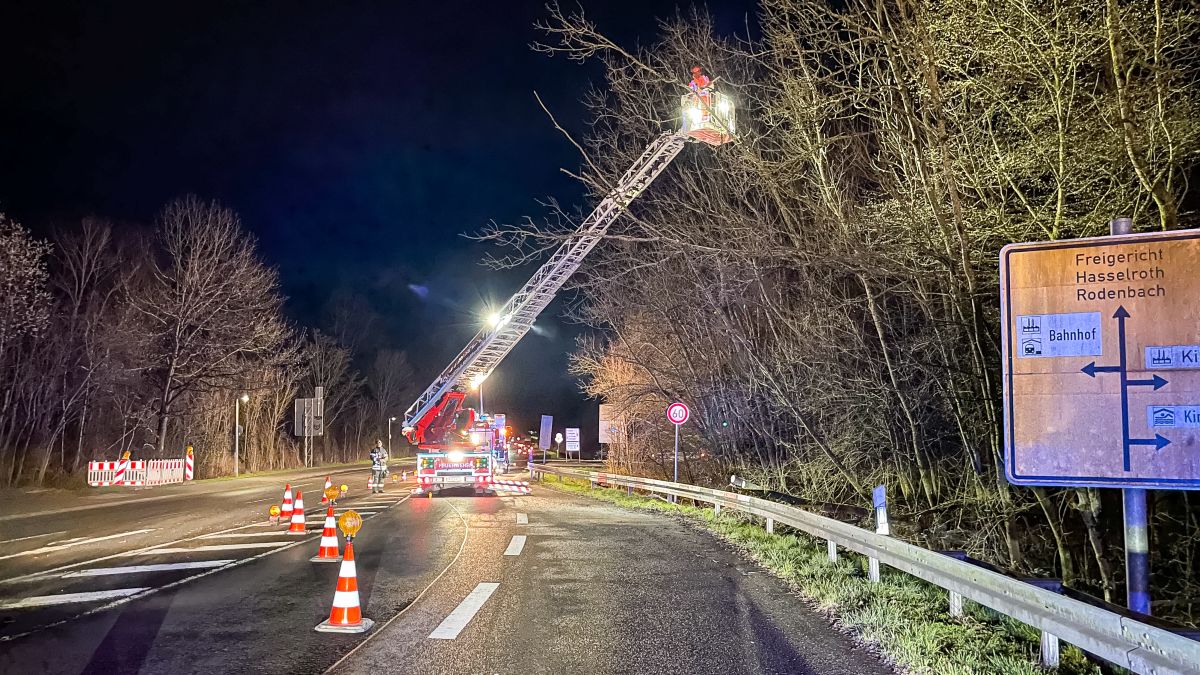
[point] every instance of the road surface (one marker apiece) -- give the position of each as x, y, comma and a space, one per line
543, 583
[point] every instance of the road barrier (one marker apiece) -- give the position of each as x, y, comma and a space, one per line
165, 471
517, 486
136, 473
121, 472
1127, 641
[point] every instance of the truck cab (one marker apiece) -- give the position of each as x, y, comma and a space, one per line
454, 468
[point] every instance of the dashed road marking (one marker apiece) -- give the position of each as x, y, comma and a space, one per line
212, 547
81, 542
516, 545
454, 624
70, 598
33, 536
522, 518
138, 569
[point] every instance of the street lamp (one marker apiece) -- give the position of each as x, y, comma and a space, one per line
477, 383
390, 420
237, 429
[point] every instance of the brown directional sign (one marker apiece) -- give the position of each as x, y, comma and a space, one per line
1101, 353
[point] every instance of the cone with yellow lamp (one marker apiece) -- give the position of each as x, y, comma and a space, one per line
346, 615
325, 491
328, 550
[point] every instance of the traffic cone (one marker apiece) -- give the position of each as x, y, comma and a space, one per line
297, 526
328, 552
324, 499
285, 512
346, 615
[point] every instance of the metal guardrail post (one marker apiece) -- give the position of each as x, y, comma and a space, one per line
1049, 650
833, 556
770, 526
956, 607
716, 509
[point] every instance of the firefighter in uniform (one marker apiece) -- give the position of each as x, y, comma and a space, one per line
379, 470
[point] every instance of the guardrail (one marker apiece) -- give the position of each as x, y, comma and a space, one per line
1120, 639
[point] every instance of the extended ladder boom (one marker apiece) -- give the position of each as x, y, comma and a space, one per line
490, 345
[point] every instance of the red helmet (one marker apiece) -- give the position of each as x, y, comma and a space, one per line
696, 70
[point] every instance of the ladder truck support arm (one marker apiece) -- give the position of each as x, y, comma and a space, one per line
490, 345
708, 116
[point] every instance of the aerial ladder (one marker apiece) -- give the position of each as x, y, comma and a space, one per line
708, 117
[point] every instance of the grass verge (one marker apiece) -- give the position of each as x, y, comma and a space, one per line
907, 620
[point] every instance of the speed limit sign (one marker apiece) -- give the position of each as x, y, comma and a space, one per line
678, 413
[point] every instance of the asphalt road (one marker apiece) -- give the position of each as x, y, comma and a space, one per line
544, 583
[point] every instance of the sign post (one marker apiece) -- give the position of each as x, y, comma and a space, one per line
1101, 356
573, 442
677, 414
544, 435
879, 501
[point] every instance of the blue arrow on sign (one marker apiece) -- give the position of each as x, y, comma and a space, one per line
1091, 369
1159, 442
1157, 382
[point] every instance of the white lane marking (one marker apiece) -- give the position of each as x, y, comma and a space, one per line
212, 547
259, 501
138, 569
81, 542
239, 535
66, 541
516, 545
69, 598
361, 513
34, 536
522, 518
453, 624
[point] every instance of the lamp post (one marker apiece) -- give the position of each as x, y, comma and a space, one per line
477, 383
237, 429
390, 420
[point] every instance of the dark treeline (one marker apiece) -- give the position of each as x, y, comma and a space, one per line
827, 285
123, 339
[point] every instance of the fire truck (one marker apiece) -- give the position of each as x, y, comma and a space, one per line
432, 422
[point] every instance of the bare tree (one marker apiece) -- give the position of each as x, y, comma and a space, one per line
207, 304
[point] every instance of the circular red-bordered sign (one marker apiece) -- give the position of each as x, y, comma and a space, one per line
678, 413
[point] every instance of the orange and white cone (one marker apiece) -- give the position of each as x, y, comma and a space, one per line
346, 615
324, 499
285, 511
328, 552
297, 526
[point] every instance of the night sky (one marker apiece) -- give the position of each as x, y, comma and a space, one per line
357, 140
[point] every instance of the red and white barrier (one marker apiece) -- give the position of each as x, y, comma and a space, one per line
165, 471
189, 465
136, 473
517, 486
